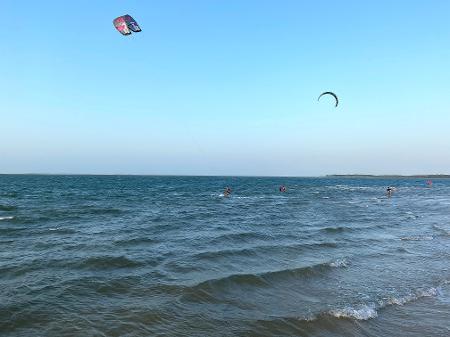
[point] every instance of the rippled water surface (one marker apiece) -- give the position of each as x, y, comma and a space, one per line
153, 256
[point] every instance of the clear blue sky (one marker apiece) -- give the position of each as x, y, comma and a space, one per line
225, 87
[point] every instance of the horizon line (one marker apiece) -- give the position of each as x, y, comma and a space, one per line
356, 175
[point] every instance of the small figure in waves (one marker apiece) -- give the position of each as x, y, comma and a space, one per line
282, 188
389, 191
227, 192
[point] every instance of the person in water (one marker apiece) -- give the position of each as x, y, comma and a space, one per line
389, 191
282, 188
227, 192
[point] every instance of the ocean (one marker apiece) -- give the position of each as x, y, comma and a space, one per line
170, 256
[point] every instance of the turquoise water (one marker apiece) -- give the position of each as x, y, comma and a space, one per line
154, 256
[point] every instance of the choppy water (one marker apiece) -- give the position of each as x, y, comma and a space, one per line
153, 256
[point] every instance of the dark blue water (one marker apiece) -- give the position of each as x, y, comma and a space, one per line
170, 256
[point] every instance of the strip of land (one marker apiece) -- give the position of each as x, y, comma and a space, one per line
424, 176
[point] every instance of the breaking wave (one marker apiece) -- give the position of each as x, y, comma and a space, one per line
362, 312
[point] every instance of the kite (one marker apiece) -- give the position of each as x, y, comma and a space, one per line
125, 24
332, 94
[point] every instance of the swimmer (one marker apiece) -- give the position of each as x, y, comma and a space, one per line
282, 188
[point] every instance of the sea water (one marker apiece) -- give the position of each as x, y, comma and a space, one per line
171, 256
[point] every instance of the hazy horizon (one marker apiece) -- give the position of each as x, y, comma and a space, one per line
226, 88
363, 175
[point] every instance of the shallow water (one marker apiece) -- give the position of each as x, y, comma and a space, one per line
149, 256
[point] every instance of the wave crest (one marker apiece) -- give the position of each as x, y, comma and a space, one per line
442, 231
8, 208
108, 262
361, 313
417, 238
364, 312
339, 263
264, 279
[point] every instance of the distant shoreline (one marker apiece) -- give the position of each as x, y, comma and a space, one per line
422, 176
360, 176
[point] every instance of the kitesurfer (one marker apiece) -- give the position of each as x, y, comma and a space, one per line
389, 191
227, 192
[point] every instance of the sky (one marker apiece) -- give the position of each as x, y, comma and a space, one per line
225, 87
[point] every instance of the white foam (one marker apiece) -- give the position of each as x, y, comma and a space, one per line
6, 218
361, 313
430, 292
417, 238
399, 301
427, 293
339, 263
364, 312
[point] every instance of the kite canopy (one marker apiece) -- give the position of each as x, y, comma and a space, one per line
332, 94
125, 24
